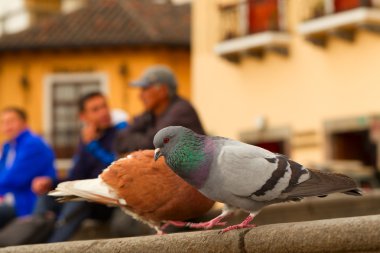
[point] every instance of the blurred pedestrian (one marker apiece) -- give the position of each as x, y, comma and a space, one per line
24, 157
94, 154
163, 107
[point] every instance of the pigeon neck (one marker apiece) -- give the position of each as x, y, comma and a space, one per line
192, 160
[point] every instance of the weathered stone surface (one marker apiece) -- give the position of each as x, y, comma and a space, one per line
334, 206
356, 234
205, 241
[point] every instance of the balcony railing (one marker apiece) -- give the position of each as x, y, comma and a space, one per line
344, 5
250, 17
340, 18
319, 8
252, 27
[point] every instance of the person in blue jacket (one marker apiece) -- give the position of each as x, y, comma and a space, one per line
95, 153
24, 156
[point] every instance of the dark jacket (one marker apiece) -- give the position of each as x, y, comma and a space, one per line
140, 134
33, 158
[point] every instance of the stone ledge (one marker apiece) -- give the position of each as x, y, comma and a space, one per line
333, 206
356, 234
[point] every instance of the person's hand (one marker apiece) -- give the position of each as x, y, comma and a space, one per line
42, 185
89, 133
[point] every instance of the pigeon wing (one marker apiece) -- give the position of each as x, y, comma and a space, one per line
250, 171
321, 184
243, 170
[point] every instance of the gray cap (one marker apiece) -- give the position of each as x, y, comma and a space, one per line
157, 74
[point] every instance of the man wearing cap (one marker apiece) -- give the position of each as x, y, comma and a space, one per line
163, 107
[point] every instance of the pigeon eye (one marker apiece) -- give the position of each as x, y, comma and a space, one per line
166, 140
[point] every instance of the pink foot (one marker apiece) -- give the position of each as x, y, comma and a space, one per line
237, 227
210, 224
205, 225
244, 224
163, 227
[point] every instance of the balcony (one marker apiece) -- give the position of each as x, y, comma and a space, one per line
252, 28
340, 18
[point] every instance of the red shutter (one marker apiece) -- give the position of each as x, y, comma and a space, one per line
342, 5
262, 15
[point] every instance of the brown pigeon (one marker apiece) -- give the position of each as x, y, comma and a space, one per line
147, 190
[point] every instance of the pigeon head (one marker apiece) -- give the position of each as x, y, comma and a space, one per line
185, 152
166, 139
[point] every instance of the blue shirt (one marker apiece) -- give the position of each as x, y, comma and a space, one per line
91, 159
103, 155
23, 159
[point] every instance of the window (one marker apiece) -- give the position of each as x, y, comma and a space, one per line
343, 5
65, 123
250, 16
252, 27
263, 16
354, 145
62, 125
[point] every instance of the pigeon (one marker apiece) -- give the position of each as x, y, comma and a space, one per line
240, 175
147, 190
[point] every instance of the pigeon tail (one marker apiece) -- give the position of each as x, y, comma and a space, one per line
324, 183
93, 190
355, 192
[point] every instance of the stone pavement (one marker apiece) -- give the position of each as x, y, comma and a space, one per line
355, 234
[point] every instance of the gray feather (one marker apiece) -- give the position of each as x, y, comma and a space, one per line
323, 183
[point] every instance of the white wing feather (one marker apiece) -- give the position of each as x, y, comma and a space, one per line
90, 189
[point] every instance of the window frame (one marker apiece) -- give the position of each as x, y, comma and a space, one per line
47, 106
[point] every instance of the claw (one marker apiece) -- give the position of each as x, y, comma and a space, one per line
236, 227
206, 225
244, 224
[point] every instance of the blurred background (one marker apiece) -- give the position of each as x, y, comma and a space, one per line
296, 77
54, 51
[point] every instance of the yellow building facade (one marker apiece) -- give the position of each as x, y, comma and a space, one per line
115, 67
297, 96
102, 46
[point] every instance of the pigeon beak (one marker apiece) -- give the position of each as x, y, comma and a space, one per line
157, 154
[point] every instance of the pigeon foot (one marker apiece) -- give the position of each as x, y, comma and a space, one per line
205, 225
239, 226
227, 211
244, 224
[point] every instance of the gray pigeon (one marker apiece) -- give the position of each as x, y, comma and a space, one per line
242, 175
